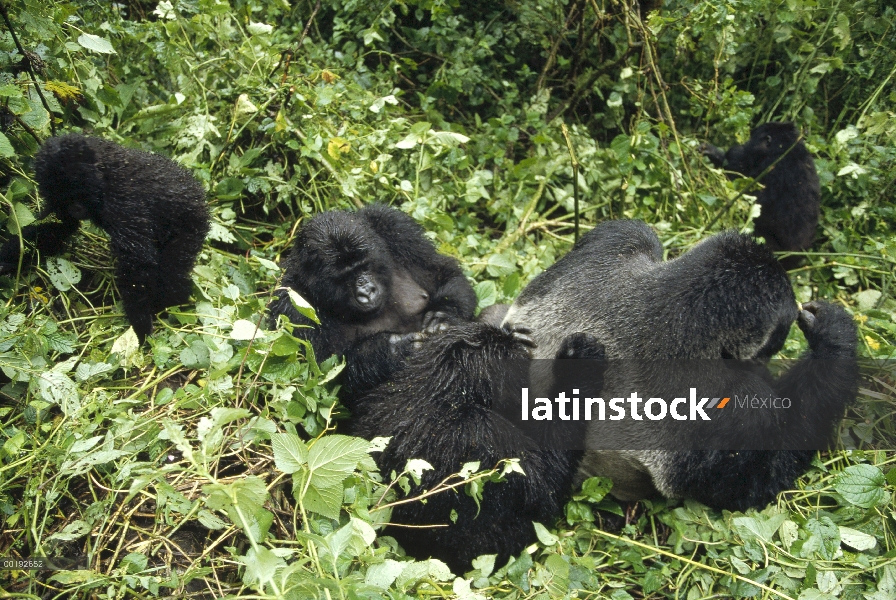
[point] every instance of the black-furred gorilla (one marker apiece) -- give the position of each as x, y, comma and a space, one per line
376, 283
441, 407
727, 297
153, 209
791, 193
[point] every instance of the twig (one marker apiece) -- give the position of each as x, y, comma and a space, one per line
575, 181
606, 66
5, 14
288, 54
27, 127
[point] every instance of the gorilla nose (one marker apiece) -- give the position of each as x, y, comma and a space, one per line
367, 293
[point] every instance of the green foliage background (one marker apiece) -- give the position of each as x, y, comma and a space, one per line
204, 464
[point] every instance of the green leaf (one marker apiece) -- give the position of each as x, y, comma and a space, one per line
261, 566
759, 526
857, 540
420, 570
57, 388
544, 536
134, 562
301, 305
6, 149
558, 584
126, 345
96, 43
245, 330
501, 264
382, 575
21, 218
487, 292
259, 28
63, 274
73, 531
330, 460
290, 453
861, 485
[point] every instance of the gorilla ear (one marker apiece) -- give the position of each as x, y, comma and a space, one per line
78, 211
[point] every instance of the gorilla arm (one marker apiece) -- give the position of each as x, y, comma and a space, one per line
49, 238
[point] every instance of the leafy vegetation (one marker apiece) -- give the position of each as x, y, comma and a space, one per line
204, 464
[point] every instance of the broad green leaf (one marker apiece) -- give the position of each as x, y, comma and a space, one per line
420, 570
558, 585
758, 526
487, 292
857, 540
73, 531
290, 453
383, 574
63, 274
301, 305
96, 43
261, 566
861, 485
57, 388
245, 330
330, 460
544, 536
126, 345
84, 445
6, 149
21, 218
134, 562
501, 264
259, 28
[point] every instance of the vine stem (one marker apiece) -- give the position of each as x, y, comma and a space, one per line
27, 62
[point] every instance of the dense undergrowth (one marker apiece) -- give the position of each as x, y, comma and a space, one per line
204, 464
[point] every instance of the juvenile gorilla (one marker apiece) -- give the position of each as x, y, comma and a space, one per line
725, 298
441, 407
153, 209
376, 283
791, 193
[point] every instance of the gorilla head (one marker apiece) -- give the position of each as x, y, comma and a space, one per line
791, 192
377, 285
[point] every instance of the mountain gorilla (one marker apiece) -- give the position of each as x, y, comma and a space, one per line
791, 193
377, 285
153, 209
443, 407
725, 298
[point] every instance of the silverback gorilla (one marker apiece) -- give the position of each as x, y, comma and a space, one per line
725, 298
376, 283
153, 209
791, 192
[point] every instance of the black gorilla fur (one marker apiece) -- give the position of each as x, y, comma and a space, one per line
439, 407
376, 283
791, 193
153, 209
726, 298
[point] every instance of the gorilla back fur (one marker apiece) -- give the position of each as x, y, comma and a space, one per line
375, 282
725, 298
440, 408
791, 192
153, 209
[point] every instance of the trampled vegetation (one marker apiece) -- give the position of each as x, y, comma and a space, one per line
204, 463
